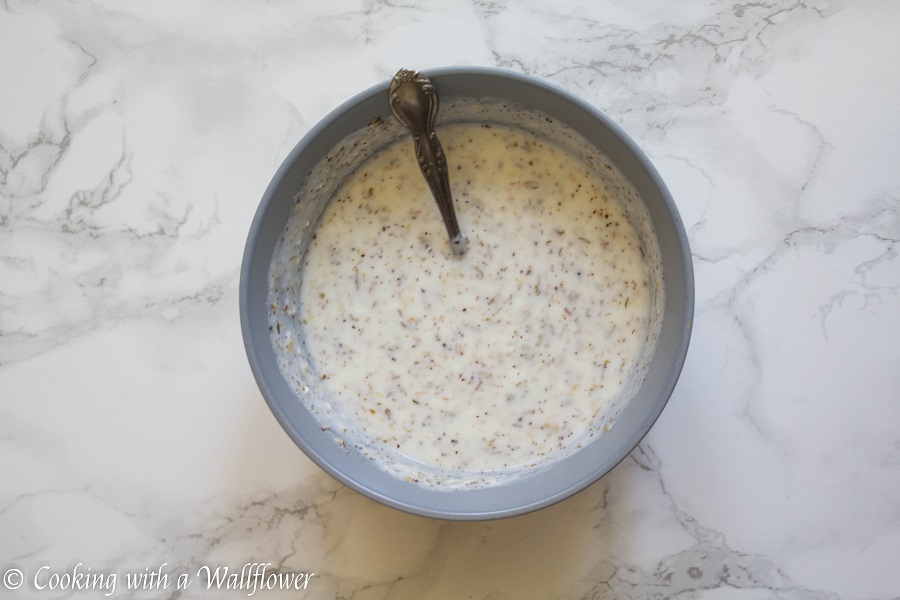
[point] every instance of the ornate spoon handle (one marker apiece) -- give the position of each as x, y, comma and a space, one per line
414, 102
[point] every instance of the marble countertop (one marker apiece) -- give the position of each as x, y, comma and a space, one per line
136, 139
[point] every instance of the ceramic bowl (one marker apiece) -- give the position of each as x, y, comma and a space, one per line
341, 142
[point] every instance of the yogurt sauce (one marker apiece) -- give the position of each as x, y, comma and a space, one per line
509, 355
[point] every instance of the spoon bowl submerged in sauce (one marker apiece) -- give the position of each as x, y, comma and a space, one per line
480, 388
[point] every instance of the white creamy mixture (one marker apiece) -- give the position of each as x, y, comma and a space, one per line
502, 357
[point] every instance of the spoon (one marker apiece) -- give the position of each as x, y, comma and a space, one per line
414, 102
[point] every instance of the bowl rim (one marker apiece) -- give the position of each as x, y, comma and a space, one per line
573, 486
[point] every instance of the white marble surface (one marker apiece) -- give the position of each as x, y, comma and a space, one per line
136, 139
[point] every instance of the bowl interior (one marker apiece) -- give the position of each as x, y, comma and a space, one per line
339, 137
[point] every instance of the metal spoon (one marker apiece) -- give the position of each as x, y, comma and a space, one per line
414, 102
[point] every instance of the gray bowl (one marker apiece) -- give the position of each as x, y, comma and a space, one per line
573, 472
